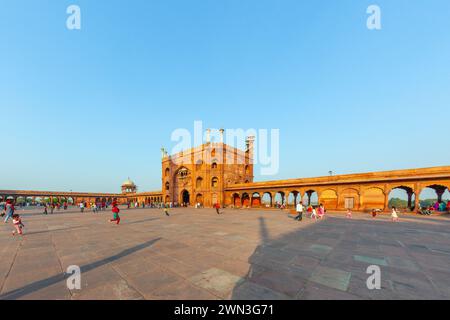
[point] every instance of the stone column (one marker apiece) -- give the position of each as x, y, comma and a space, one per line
440, 193
309, 197
386, 201
417, 200
410, 193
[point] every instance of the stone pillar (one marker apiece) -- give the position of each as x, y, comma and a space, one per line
440, 193
386, 201
417, 201
410, 193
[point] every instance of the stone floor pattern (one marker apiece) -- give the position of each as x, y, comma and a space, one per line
241, 254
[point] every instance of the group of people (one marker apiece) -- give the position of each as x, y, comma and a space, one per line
53, 206
314, 213
94, 206
152, 205
437, 207
319, 212
9, 213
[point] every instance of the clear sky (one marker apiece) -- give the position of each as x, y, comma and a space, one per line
83, 110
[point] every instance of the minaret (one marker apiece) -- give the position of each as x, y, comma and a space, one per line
208, 135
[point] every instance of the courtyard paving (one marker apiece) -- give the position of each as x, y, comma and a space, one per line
241, 254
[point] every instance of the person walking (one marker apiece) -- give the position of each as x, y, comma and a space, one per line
166, 210
45, 209
299, 210
18, 225
309, 210
115, 210
217, 207
9, 209
314, 213
81, 207
321, 211
394, 214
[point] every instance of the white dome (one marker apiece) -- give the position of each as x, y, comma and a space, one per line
128, 183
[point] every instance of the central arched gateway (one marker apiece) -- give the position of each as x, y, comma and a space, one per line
185, 198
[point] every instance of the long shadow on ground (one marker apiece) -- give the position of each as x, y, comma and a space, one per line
329, 260
41, 284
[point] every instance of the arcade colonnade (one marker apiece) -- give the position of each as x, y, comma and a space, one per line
333, 197
147, 199
70, 198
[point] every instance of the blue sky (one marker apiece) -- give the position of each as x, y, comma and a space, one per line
83, 110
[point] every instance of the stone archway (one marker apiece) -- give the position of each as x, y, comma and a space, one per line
293, 198
310, 197
245, 200
280, 198
433, 194
373, 198
236, 200
349, 199
329, 199
256, 200
401, 197
267, 199
185, 197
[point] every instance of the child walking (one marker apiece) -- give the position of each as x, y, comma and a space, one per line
314, 214
394, 214
115, 209
166, 211
18, 225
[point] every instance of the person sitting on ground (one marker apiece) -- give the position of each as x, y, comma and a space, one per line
436, 206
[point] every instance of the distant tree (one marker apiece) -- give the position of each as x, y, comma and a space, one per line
398, 203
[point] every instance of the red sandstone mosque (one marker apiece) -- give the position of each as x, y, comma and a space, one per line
219, 173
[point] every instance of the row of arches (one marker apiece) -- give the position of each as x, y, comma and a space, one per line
369, 198
188, 199
199, 183
268, 199
147, 199
70, 200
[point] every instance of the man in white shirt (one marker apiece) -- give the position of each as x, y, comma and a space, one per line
299, 210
